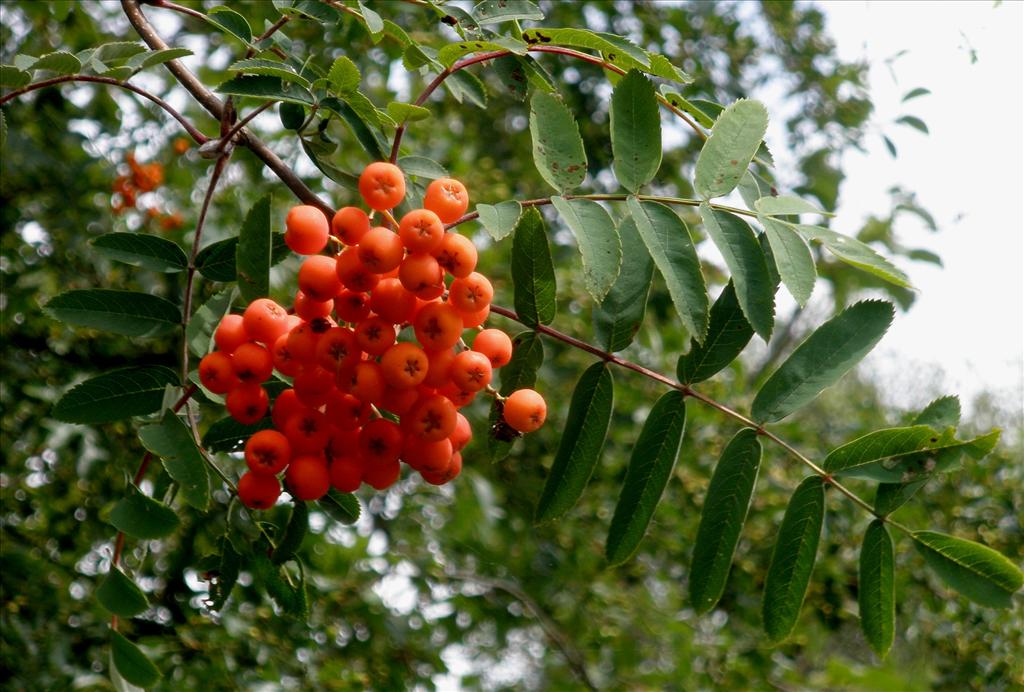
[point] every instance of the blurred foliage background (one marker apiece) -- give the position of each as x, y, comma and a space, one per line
441, 587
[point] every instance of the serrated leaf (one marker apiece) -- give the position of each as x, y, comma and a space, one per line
363, 127
422, 167
499, 220
581, 442
533, 274
676, 100
855, 253
876, 589
142, 250
120, 595
729, 149
465, 86
252, 257
598, 242
334, 173
227, 574
230, 21
519, 373
60, 62
793, 558
635, 131
343, 507
793, 259
216, 261
721, 520
290, 599
497, 11
450, 54
142, 61
205, 319
310, 9
173, 443
878, 445
131, 663
940, 456
112, 396
755, 289
618, 317
786, 204
728, 334
614, 49
118, 51
650, 466
914, 122
143, 517
373, 20
976, 571
557, 146
266, 88
407, 112
295, 531
669, 244
824, 357
11, 76
344, 75
269, 68
941, 413
129, 313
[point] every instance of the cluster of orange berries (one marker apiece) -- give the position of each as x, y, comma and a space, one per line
141, 178
361, 400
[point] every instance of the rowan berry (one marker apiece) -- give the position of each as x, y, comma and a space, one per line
346, 473
351, 306
421, 274
525, 410
432, 418
381, 474
217, 373
494, 344
308, 431
345, 411
247, 403
264, 320
302, 343
318, 278
337, 348
307, 477
343, 443
427, 456
421, 231
447, 198
354, 275
230, 333
462, 434
470, 371
252, 363
306, 230
375, 335
381, 250
404, 365
450, 472
312, 385
458, 396
286, 403
457, 254
258, 491
382, 185
309, 308
391, 301
367, 382
399, 401
471, 320
438, 326
440, 363
380, 441
471, 294
267, 452
285, 361
350, 224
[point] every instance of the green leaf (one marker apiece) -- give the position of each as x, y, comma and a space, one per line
976, 571
128, 313
824, 357
60, 62
3, 130
141, 250
598, 242
422, 167
290, 599
230, 21
295, 532
614, 49
676, 100
728, 334
793, 558
533, 275
650, 467
941, 413
519, 373
120, 595
636, 131
933, 457
228, 435
270, 68
755, 289
914, 122
227, 575
465, 86
343, 507
143, 517
499, 220
792, 258
619, 316
855, 253
118, 51
580, 447
557, 145
141, 61
497, 11
878, 445
407, 112
914, 93
890, 146
173, 443
266, 88
730, 148
373, 20
876, 590
131, 663
344, 76
721, 520
114, 395
450, 54
252, 257
365, 132
12, 77
216, 261
669, 244
334, 173
292, 115
199, 332
513, 75
786, 204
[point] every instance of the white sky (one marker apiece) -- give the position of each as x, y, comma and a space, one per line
968, 320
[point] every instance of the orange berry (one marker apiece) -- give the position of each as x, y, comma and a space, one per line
458, 396
438, 326
447, 198
432, 418
343, 443
375, 335
318, 278
380, 441
247, 403
312, 385
264, 320
345, 411
471, 294
307, 477
337, 348
307, 431
471, 320
457, 254
354, 275
427, 456
462, 434
306, 230
302, 343
421, 272
258, 491
404, 365
267, 452
350, 224
391, 301
421, 231
286, 403
217, 373
352, 306
496, 345
525, 410
284, 361
309, 308
252, 363
399, 401
346, 473
381, 475
470, 371
181, 145
367, 382
230, 333
382, 185
440, 363
381, 250
451, 472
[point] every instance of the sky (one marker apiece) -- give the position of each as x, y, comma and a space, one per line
968, 320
